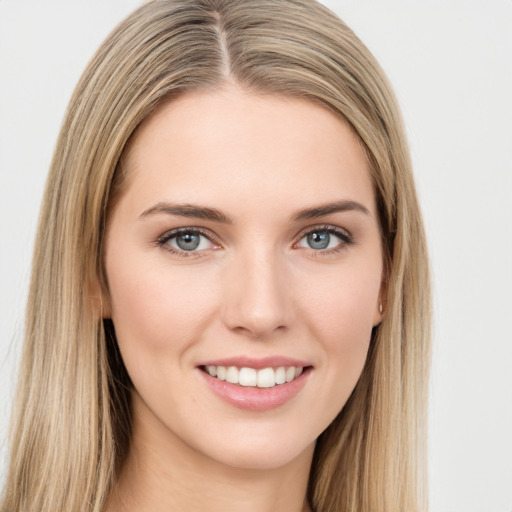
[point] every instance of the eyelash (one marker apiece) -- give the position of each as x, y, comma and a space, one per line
346, 239
163, 240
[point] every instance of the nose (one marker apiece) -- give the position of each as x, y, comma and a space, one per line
257, 300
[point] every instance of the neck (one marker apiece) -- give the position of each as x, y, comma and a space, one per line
167, 474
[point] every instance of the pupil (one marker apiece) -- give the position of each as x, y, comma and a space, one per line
319, 239
188, 241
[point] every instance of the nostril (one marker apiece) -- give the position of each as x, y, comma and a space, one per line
259, 330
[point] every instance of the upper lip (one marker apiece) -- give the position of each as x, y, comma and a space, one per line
256, 363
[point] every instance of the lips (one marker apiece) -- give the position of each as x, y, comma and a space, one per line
256, 384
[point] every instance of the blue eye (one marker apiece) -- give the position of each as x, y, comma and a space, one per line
318, 240
324, 239
186, 240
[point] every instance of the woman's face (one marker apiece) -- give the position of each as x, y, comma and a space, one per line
246, 245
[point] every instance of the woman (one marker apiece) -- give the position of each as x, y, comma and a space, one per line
229, 304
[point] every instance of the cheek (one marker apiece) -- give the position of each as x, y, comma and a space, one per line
153, 309
343, 307
340, 317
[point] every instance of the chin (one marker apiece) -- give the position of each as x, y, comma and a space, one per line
257, 449
260, 458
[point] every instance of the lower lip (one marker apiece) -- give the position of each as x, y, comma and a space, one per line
254, 398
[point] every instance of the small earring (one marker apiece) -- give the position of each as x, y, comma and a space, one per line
380, 308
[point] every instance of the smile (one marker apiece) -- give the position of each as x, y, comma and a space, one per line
252, 377
256, 384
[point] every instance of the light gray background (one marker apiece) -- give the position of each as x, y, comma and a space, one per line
451, 65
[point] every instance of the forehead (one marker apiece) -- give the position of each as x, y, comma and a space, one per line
233, 144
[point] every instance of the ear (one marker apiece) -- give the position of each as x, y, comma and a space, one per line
379, 312
380, 306
99, 299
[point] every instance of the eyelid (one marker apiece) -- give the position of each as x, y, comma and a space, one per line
341, 232
345, 237
173, 233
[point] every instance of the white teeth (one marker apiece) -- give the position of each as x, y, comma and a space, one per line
264, 378
281, 375
232, 375
247, 377
290, 374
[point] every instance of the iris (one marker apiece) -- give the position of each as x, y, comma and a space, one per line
188, 241
319, 240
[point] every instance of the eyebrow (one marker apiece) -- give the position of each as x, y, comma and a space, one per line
326, 209
204, 212
188, 210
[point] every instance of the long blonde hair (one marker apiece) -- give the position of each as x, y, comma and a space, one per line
71, 424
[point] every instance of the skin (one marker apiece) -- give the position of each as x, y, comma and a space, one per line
254, 287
